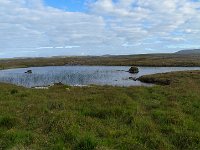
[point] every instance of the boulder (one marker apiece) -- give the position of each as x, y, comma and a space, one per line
133, 70
58, 84
133, 78
29, 71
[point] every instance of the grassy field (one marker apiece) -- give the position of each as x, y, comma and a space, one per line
129, 60
104, 117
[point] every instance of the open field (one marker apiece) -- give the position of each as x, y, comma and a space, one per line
104, 117
129, 60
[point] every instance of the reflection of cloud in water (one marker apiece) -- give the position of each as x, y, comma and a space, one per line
81, 75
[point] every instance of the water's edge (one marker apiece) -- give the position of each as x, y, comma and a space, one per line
44, 77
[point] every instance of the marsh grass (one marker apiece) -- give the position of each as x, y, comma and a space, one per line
103, 117
156, 60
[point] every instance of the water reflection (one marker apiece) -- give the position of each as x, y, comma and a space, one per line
81, 75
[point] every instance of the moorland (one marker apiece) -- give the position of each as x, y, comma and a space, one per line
165, 116
151, 60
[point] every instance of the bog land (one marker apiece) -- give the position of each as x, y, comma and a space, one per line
165, 116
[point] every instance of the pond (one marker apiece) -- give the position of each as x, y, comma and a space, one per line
81, 75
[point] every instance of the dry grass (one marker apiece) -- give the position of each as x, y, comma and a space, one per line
103, 117
129, 60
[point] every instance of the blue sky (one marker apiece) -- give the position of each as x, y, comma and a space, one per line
68, 5
97, 27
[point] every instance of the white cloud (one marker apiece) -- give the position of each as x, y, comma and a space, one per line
116, 27
138, 20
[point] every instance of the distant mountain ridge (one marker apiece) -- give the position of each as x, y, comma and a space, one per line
193, 51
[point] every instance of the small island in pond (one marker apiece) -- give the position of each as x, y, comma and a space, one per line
134, 70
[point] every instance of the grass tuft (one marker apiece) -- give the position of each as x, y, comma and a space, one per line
86, 143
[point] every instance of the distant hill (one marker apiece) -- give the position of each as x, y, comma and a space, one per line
194, 51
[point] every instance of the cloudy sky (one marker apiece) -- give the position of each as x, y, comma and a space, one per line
97, 27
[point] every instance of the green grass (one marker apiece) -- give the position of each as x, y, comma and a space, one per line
103, 117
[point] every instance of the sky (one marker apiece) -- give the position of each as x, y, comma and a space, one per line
43, 28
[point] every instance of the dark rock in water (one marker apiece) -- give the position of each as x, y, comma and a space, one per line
59, 83
133, 70
29, 71
133, 78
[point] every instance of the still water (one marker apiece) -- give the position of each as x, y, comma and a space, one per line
81, 75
